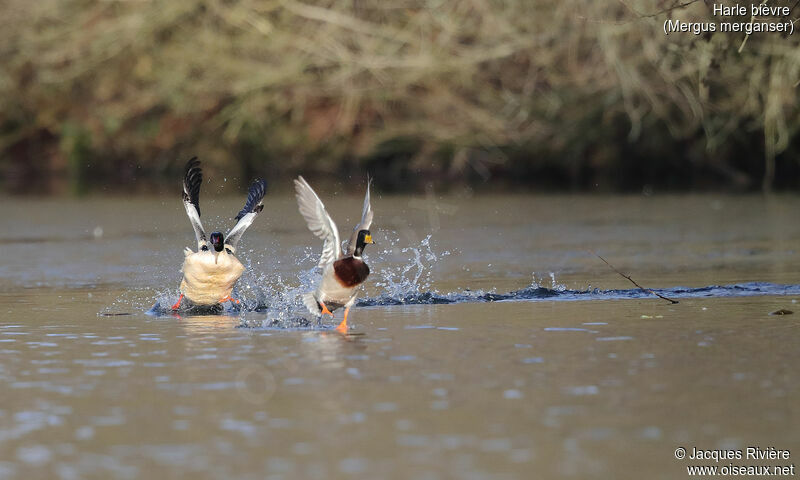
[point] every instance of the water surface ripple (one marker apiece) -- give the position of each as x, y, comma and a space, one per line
534, 293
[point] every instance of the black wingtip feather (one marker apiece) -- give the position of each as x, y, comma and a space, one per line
192, 180
257, 191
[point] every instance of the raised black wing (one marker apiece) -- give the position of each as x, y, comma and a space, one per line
251, 209
192, 179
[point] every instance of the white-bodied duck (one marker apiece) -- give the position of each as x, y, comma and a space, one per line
342, 271
210, 273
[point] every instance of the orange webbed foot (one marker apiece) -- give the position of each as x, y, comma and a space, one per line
229, 299
178, 303
325, 309
342, 328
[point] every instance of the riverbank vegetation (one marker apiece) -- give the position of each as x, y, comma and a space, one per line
546, 94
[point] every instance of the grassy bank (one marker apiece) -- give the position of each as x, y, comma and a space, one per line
539, 94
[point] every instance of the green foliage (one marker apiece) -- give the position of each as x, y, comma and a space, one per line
462, 89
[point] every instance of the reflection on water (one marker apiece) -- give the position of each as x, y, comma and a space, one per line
460, 365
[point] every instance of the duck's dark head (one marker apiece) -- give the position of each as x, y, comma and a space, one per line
218, 241
364, 237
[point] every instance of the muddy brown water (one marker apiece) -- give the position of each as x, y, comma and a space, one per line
559, 385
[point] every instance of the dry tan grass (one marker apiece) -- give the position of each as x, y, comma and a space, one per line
308, 84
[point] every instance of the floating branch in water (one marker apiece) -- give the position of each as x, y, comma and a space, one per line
628, 277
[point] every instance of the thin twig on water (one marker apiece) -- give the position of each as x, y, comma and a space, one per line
628, 277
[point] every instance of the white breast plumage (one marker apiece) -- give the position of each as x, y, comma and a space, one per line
331, 289
208, 276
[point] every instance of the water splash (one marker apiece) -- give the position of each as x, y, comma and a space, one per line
284, 298
411, 282
261, 289
279, 296
554, 285
276, 298
125, 304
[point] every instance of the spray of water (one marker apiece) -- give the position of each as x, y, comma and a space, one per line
274, 300
554, 285
411, 279
284, 308
270, 299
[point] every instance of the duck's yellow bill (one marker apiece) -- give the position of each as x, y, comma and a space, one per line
368, 239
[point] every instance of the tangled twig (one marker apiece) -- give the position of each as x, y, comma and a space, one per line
628, 277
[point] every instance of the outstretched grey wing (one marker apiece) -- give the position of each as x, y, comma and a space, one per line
319, 222
192, 180
364, 224
251, 209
